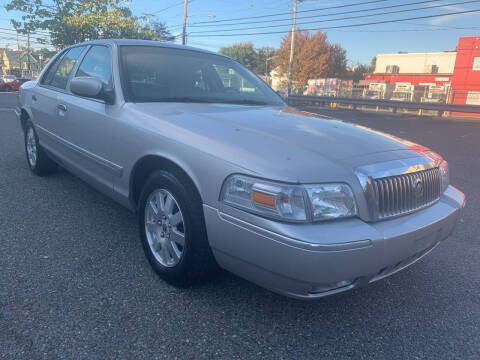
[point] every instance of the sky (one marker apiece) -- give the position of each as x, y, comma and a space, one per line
362, 43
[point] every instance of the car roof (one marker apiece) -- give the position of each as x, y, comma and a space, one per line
132, 42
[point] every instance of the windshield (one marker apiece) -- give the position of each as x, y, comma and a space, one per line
371, 93
157, 74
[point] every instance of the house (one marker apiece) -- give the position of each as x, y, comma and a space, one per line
20, 63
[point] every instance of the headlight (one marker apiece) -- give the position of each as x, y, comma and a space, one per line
331, 201
295, 203
444, 175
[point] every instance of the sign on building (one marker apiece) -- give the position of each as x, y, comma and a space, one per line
473, 97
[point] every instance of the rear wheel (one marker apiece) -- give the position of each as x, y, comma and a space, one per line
38, 161
172, 229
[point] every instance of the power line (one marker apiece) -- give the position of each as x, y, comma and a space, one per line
20, 34
289, 13
339, 19
321, 15
169, 7
448, 27
348, 26
405, 30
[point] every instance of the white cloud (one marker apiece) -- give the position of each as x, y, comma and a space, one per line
441, 20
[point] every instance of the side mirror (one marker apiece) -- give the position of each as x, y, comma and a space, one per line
91, 87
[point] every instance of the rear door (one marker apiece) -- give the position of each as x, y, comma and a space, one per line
47, 103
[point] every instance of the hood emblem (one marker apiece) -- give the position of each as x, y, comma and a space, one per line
418, 187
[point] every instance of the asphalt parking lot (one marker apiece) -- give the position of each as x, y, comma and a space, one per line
74, 283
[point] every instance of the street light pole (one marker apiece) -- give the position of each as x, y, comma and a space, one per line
184, 33
292, 47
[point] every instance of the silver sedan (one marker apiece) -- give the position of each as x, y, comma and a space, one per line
221, 172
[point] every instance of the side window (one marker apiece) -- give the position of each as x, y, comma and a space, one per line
62, 71
97, 63
47, 77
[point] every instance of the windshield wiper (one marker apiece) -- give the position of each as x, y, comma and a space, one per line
178, 99
246, 102
186, 99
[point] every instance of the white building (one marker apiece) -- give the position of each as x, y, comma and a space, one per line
416, 63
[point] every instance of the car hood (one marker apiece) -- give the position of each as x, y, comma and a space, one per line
263, 139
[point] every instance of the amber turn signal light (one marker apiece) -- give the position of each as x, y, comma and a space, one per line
263, 199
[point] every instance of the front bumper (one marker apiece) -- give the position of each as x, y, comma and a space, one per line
316, 260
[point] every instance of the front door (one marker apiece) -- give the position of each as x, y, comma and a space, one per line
85, 127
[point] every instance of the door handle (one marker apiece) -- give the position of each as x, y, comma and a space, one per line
62, 107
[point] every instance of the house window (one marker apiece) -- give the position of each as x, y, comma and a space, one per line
473, 97
476, 64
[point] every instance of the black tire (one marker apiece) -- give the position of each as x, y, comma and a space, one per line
43, 165
197, 262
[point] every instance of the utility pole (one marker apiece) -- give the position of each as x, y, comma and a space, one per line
267, 74
19, 54
148, 15
184, 33
292, 47
266, 67
28, 54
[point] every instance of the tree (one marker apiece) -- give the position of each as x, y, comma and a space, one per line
73, 21
104, 19
46, 53
264, 60
373, 64
359, 71
339, 61
157, 31
314, 57
244, 53
38, 16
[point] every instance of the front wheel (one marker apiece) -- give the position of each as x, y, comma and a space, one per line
172, 229
38, 161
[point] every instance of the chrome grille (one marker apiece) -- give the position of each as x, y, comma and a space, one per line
402, 194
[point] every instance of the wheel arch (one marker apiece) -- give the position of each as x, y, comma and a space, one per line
24, 117
148, 164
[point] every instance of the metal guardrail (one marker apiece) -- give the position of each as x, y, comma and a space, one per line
322, 100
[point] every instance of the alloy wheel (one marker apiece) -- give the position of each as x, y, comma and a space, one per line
31, 147
164, 227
